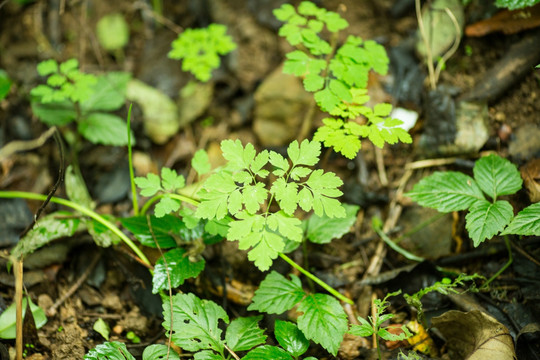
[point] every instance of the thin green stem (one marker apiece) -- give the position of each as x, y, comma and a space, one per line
157, 197
396, 247
316, 279
130, 160
83, 210
508, 263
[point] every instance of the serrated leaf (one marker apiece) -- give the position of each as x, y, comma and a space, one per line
200, 162
290, 338
113, 350
497, 176
485, 219
195, 325
176, 266
106, 129
159, 352
286, 195
108, 93
526, 222
321, 230
266, 246
170, 179
207, 355
166, 205
284, 12
244, 333
334, 22
214, 196
313, 82
326, 99
323, 320
289, 227
238, 156
299, 172
340, 90
307, 153
324, 189
253, 196
446, 191
164, 229
363, 330
388, 336
149, 185
267, 352
260, 161
276, 294
279, 162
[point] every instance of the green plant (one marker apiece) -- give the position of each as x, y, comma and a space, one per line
515, 4
70, 95
338, 78
5, 84
199, 49
373, 326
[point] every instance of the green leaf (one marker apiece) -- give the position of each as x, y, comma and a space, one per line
238, 156
324, 189
276, 294
290, 338
207, 355
149, 185
286, 195
279, 162
214, 196
334, 22
159, 352
165, 230
106, 129
54, 113
363, 330
322, 230
485, 219
76, 189
267, 352
50, 227
340, 90
102, 235
109, 351
297, 63
313, 82
200, 162
388, 336
176, 266
289, 227
526, 222
446, 191
102, 328
327, 100
166, 205
112, 31
109, 92
170, 179
47, 67
244, 333
195, 325
253, 196
307, 153
8, 318
497, 176
323, 321
284, 12
515, 4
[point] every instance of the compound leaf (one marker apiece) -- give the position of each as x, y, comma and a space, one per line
276, 294
149, 185
485, 219
290, 338
244, 333
446, 191
113, 350
279, 162
497, 176
214, 196
289, 227
195, 324
307, 153
170, 179
286, 195
324, 189
323, 320
526, 222
253, 196
200, 162
174, 264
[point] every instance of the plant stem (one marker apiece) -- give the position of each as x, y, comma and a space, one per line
156, 198
130, 161
83, 210
316, 279
508, 263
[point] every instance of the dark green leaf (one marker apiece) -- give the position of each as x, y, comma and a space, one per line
290, 338
244, 333
76, 189
485, 219
497, 176
322, 230
276, 294
176, 266
526, 222
109, 351
5, 84
267, 352
106, 129
165, 229
159, 352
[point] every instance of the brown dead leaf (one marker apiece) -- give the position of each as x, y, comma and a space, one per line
474, 335
530, 172
509, 22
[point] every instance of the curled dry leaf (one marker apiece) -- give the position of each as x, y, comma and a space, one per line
475, 335
530, 173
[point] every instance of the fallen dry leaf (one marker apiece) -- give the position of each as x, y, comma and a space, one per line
530, 172
475, 335
509, 22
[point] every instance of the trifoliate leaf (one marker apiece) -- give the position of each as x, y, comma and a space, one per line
279, 162
485, 219
253, 196
497, 176
195, 325
266, 246
526, 222
324, 188
159, 352
306, 154
110, 351
276, 294
377, 56
290, 338
267, 352
237, 156
214, 196
177, 267
286, 195
170, 180
200, 162
149, 185
323, 320
260, 161
244, 333
166, 205
446, 191
289, 227
321, 230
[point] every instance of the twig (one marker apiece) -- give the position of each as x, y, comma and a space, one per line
380, 166
161, 19
420, 164
231, 352
53, 309
21, 145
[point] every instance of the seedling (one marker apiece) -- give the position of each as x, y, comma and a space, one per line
338, 78
373, 326
199, 49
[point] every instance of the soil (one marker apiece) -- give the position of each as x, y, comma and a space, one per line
108, 283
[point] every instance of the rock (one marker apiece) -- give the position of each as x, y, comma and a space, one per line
194, 99
15, 216
280, 105
524, 144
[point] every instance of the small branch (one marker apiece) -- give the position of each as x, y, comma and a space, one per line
380, 166
231, 352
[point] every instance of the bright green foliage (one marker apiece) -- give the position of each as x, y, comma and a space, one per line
176, 266
515, 4
374, 324
195, 328
199, 49
71, 95
290, 338
5, 84
113, 350
102, 328
168, 184
323, 319
200, 162
453, 191
238, 191
112, 31
526, 222
159, 352
8, 318
338, 80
